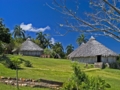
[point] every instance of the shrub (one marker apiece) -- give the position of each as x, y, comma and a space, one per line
28, 64
80, 81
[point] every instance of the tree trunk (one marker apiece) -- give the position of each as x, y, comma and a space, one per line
17, 77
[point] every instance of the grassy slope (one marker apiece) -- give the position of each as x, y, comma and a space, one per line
56, 69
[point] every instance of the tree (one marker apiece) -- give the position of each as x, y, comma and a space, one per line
69, 49
81, 39
49, 52
16, 61
4, 33
48, 43
44, 40
18, 32
104, 18
4, 36
58, 49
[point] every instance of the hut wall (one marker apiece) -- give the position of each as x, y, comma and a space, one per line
109, 59
86, 59
31, 53
92, 60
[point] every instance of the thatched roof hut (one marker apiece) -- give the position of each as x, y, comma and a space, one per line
93, 51
30, 48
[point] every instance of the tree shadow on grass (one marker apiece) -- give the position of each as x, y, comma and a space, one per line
6, 61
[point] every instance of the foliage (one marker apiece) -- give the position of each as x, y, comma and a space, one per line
115, 65
58, 49
58, 70
118, 59
4, 36
18, 32
80, 81
1, 47
69, 49
16, 61
49, 52
28, 64
4, 33
81, 39
44, 40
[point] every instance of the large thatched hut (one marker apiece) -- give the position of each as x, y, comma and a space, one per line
30, 49
92, 52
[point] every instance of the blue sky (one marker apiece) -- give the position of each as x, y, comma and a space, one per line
35, 15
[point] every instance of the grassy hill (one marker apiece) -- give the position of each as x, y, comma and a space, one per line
55, 69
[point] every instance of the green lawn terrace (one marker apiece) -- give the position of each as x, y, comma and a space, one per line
56, 69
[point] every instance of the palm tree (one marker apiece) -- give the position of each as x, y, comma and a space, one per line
69, 49
49, 43
81, 39
18, 32
44, 40
58, 49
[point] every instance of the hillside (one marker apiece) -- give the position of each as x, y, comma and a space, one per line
56, 69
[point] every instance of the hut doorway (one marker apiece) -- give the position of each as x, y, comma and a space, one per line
99, 58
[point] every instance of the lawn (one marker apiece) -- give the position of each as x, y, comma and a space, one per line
56, 69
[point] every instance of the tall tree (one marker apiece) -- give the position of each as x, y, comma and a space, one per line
81, 39
103, 19
58, 48
4, 33
18, 32
4, 36
44, 40
69, 49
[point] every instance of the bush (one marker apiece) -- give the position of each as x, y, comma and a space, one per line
80, 81
28, 64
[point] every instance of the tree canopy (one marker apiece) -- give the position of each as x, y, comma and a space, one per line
81, 39
4, 33
69, 49
18, 32
44, 40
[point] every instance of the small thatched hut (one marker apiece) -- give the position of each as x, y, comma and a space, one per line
93, 52
30, 49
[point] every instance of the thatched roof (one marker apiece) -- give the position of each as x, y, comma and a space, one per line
92, 48
28, 45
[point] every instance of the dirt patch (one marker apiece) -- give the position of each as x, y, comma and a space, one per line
32, 83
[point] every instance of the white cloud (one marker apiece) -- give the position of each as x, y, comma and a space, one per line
29, 27
52, 40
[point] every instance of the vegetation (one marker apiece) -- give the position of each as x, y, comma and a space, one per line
28, 64
58, 49
81, 39
4, 36
18, 32
49, 52
9, 44
44, 40
80, 81
69, 49
16, 62
4, 33
58, 70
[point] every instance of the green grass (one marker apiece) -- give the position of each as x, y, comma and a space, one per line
56, 69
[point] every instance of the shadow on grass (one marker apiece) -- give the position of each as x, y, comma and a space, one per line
6, 61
